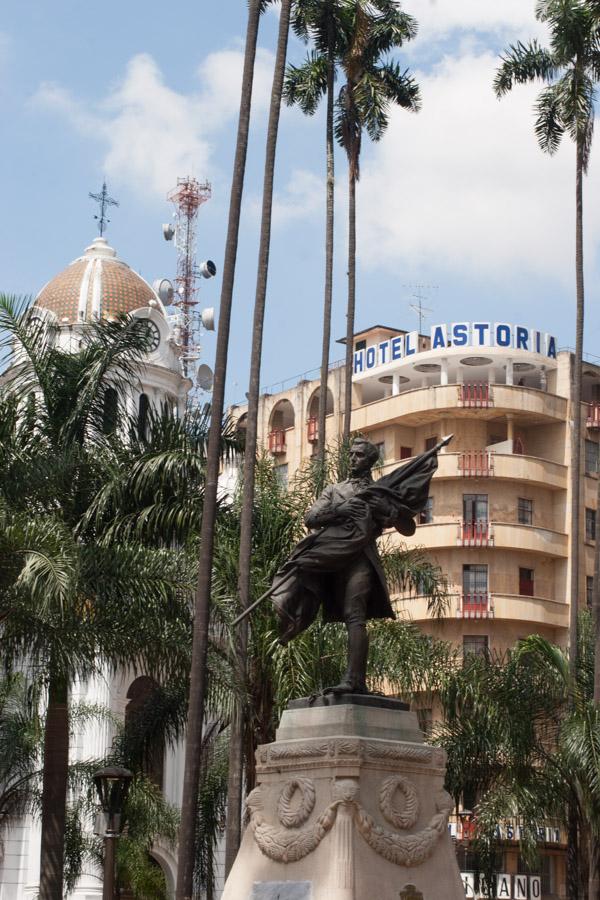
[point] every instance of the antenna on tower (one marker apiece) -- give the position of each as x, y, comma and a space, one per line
104, 200
419, 295
187, 198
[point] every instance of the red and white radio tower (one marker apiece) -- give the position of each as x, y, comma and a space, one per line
188, 197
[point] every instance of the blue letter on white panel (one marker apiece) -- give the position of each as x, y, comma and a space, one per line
522, 338
397, 347
482, 334
460, 334
383, 350
550, 346
438, 336
359, 361
503, 334
371, 357
411, 342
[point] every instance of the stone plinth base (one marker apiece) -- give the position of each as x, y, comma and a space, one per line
350, 805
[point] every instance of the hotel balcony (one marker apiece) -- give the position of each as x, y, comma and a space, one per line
509, 466
475, 534
475, 606
277, 443
535, 611
475, 396
476, 464
416, 407
593, 415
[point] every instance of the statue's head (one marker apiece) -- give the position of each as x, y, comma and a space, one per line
363, 456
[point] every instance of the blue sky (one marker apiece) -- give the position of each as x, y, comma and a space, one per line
458, 196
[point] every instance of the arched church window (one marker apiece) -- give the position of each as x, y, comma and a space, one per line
109, 416
140, 696
143, 405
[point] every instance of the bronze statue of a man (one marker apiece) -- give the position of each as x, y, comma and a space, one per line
337, 565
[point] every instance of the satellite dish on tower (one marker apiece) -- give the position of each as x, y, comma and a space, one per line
168, 232
205, 377
164, 289
208, 269
207, 317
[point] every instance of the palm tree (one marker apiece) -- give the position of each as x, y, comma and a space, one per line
318, 21
68, 606
20, 747
198, 675
570, 68
234, 799
373, 83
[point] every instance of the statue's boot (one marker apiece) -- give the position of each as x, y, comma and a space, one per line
354, 681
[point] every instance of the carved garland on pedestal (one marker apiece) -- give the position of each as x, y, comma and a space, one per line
284, 845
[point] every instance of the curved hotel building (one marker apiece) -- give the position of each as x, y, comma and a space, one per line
498, 517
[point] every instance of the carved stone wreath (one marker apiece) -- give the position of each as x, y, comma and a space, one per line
294, 817
408, 816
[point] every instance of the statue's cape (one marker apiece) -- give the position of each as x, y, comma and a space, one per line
305, 579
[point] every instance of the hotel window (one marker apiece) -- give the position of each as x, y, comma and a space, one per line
591, 458
430, 442
525, 511
526, 583
281, 473
475, 580
426, 515
406, 452
475, 645
475, 507
360, 345
589, 590
590, 524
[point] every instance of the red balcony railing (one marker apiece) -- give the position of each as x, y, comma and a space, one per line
312, 429
475, 396
593, 415
476, 464
476, 606
277, 441
475, 534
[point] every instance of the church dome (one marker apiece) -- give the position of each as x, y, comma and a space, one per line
96, 285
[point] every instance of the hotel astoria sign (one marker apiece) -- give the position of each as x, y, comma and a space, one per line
457, 335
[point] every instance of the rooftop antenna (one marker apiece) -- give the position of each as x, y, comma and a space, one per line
423, 312
104, 200
187, 198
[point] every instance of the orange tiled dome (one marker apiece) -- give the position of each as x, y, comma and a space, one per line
96, 285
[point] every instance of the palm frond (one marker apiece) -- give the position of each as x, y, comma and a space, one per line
522, 63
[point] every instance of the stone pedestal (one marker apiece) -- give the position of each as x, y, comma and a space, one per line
350, 805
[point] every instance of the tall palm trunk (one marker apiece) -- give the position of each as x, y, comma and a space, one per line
198, 673
329, 214
54, 789
236, 745
573, 861
576, 411
351, 299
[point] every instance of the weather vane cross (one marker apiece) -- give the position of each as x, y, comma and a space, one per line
105, 201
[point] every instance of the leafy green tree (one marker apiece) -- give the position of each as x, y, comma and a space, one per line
570, 69
371, 30
68, 606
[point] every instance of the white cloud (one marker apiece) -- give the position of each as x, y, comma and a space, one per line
464, 186
441, 17
303, 196
152, 133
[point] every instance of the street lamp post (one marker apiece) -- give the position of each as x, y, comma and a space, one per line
112, 785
